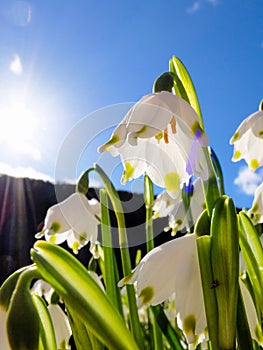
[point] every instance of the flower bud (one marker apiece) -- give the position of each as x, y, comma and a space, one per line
164, 82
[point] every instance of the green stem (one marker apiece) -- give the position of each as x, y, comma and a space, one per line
125, 255
109, 274
148, 199
166, 327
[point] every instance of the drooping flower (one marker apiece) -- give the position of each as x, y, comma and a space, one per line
254, 324
161, 136
59, 319
180, 216
256, 211
61, 326
74, 220
173, 268
248, 141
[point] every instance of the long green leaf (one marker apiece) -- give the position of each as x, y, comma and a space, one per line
204, 256
225, 266
47, 333
184, 84
252, 252
81, 293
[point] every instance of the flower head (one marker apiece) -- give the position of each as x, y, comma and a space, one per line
161, 136
248, 141
173, 268
74, 220
180, 216
256, 211
59, 318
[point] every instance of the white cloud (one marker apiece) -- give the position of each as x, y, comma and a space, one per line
26, 149
16, 65
248, 181
20, 171
194, 8
92, 182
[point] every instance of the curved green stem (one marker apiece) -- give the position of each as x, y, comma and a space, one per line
109, 273
148, 200
125, 255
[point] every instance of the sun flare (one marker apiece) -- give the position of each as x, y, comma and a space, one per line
18, 129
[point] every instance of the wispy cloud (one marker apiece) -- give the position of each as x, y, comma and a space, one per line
197, 5
20, 171
194, 8
248, 181
213, 2
16, 65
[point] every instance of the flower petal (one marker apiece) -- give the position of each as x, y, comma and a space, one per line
173, 267
61, 326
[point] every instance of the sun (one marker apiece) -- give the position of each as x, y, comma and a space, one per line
18, 129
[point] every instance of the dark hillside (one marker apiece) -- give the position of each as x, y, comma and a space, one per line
23, 206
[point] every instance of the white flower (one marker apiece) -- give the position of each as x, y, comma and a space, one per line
181, 218
75, 220
42, 288
256, 211
173, 268
248, 141
160, 136
253, 322
61, 326
59, 318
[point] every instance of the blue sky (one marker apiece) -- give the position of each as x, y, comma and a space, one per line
62, 61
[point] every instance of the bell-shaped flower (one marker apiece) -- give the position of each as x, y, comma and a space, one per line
74, 220
61, 326
59, 319
42, 288
248, 141
251, 313
181, 216
256, 211
171, 268
161, 136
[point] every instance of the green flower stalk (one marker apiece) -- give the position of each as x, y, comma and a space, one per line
124, 249
110, 277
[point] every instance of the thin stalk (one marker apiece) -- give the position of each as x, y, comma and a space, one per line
125, 255
109, 258
166, 327
148, 199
